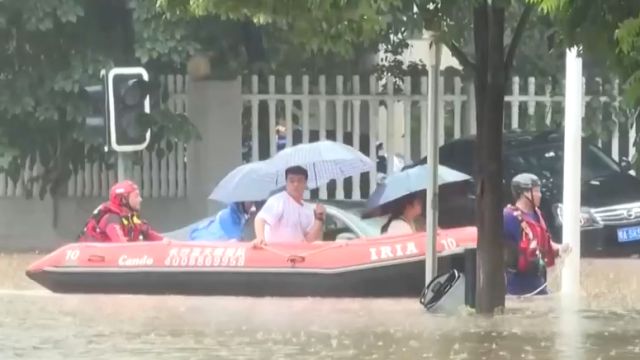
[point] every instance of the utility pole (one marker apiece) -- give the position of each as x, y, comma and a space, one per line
572, 171
433, 125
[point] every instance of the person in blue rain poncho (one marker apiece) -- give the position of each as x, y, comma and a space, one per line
227, 225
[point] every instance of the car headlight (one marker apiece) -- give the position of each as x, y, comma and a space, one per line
587, 220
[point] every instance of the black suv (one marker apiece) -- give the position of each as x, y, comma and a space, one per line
610, 216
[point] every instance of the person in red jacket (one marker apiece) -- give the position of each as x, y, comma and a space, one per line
118, 220
529, 247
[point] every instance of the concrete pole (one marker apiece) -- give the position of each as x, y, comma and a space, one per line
125, 166
572, 172
433, 125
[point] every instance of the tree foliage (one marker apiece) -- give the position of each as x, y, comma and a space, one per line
606, 30
317, 26
628, 40
453, 23
47, 59
54, 49
51, 49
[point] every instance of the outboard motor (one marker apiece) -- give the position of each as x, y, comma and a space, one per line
445, 293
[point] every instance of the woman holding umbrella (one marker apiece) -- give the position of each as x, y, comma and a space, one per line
402, 196
403, 214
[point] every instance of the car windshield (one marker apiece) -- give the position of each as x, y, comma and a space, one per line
549, 161
370, 227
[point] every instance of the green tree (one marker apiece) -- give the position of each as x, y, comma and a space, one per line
628, 39
608, 31
491, 68
320, 27
475, 33
54, 48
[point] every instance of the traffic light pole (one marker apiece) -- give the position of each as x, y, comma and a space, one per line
125, 166
127, 90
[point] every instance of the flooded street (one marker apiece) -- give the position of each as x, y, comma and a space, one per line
36, 324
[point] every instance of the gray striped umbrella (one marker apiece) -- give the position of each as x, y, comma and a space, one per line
325, 160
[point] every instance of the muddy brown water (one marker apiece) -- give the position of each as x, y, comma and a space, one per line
37, 324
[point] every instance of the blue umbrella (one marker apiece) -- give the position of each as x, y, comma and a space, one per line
324, 160
254, 181
408, 181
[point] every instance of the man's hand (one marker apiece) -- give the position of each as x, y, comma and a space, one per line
166, 240
319, 212
565, 249
258, 243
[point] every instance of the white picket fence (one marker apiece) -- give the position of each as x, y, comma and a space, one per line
361, 107
158, 176
356, 110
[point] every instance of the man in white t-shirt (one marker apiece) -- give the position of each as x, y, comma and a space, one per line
285, 218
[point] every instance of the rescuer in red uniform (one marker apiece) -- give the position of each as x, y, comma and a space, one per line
118, 219
529, 248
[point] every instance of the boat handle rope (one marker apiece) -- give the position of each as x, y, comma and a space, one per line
299, 258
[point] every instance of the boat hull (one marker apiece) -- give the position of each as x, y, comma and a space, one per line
346, 271
405, 279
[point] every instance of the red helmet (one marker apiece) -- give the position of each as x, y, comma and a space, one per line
121, 190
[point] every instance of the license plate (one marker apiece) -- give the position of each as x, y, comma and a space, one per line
629, 234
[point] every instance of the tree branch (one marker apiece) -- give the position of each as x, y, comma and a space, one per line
517, 36
454, 48
457, 53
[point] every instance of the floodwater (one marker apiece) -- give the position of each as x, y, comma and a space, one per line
36, 324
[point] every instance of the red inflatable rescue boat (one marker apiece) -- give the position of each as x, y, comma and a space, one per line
387, 266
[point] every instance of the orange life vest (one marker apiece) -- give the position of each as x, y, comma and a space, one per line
133, 228
535, 242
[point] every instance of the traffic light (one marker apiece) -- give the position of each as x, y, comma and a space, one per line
128, 91
95, 122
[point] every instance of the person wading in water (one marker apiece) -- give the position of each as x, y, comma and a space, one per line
529, 249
